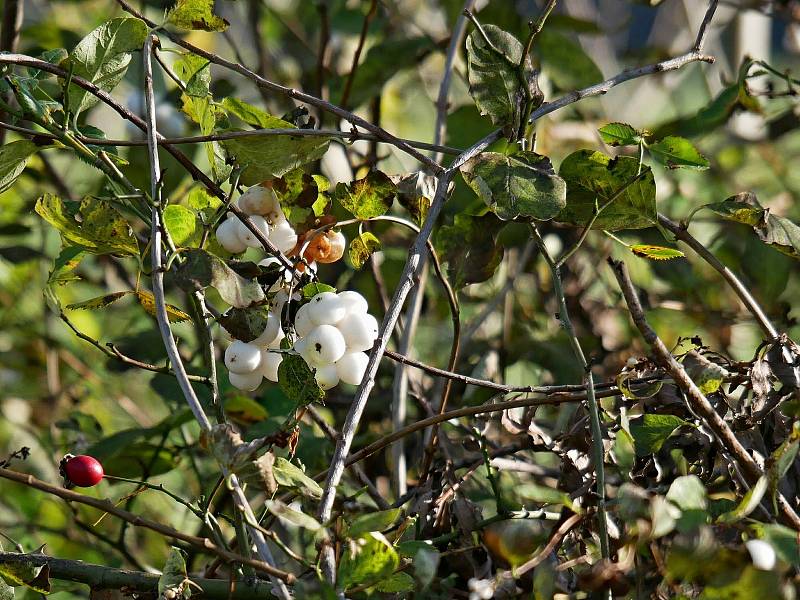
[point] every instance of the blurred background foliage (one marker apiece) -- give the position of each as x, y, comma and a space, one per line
59, 394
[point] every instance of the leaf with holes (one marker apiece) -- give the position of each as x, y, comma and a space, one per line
174, 581
196, 14
95, 226
369, 197
102, 57
655, 252
593, 178
362, 247
521, 185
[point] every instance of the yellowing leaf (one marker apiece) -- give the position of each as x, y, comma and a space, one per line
148, 302
196, 14
655, 252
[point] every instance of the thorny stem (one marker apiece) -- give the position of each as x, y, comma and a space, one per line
594, 411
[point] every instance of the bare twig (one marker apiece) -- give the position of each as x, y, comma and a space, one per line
551, 546
682, 233
348, 86
106, 505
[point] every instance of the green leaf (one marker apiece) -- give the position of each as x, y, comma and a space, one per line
675, 152
707, 375
741, 208
546, 495
13, 160
748, 504
312, 289
102, 58
398, 582
620, 134
521, 185
195, 72
202, 269
362, 247
369, 197
302, 197
470, 248
653, 430
687, 492
173, 582
289, 515
367, 560
101, 229
252, 115
377, 521
565, 62
196, 14
593, 178
204, 203
782, 539
245, 324
297, 381
182, 225
782, 234
266, 156
655, 252
494, 81
292, 476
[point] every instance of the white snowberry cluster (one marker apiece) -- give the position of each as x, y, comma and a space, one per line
250, 362
266, 214
333, 332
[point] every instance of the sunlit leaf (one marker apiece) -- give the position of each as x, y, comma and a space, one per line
13, 159
368, 197
196, 14
675, 152
620, 134
362, 247
655, 252
369, 559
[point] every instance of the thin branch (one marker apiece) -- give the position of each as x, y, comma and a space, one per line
695, 398
290, 92
348, 86
106, 505
240, 501
13, 11
598, 451
536, 29
682, 233
101, 577
551, 545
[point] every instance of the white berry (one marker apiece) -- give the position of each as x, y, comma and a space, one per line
326, 309
324, 346
241, 357
327, 377
258, 200
276, 343
351, 367
302, 321
353, 302
283, 236
248, 237
359, 331
762, 554
228, 237
247, 382
270, 361
270, 332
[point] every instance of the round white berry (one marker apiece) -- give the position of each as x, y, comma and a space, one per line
247, 382
326, 309
228, 237
302, 321
351, 367
270, 332
762, 554
270, 361
248, 237
241, 357
258, 200
359, 331
353, 302
283, 236
324, 346
327, 377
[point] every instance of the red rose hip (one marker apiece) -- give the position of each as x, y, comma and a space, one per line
82, 470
